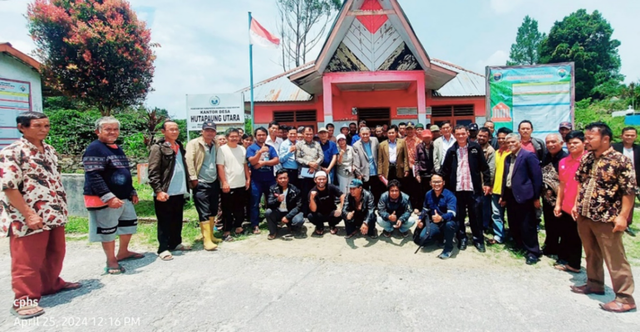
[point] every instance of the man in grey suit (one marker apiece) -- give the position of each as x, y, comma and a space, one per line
365, 163
441, 145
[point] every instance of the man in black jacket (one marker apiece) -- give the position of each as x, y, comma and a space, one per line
467, 174
632, 151
169, 179
358, 211
284, 204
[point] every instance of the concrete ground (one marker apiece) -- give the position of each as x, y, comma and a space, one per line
316, 284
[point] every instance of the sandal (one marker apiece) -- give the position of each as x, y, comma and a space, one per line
182, 247
69, 286
228, 238
256, 230
21, 312
287, 237
348, 236
166, 255
271, 237
334, 230
318, 232
566, 268
114, 270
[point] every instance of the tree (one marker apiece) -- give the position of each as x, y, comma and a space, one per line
297, 21
586, 40
525, 50
95, 51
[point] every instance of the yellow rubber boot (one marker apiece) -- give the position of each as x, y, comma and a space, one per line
207, 233
214, 239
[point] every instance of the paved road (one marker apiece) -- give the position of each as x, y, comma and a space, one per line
316, 285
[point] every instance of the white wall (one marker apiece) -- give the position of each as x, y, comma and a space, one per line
16, 70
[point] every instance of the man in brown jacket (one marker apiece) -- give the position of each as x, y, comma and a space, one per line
393, 162
169, 179
203, 175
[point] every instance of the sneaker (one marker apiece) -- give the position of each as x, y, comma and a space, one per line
386, 234
404, 234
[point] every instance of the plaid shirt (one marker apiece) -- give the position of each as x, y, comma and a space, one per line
603, 182
463, 181
35, 175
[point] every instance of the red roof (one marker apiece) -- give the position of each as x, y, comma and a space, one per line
27, 60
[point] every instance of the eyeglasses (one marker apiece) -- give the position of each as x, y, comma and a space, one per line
436, 182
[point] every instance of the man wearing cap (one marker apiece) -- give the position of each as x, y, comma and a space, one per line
565, 128
201, 164
358, 211
424, 163
435, 132
473, 132
409, 182
419, 129
330, 151
322, 204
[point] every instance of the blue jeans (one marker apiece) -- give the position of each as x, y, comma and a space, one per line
436, 231
258, 188
388, 225
497, 216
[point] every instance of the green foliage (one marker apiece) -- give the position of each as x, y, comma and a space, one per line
525, 50
586, 40
588, 111
93, 50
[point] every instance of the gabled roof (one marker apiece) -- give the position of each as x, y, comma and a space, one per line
6, 48
365, 25
280, 89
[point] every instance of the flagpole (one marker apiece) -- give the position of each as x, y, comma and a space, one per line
251, 71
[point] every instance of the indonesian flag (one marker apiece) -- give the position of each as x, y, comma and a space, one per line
260, 36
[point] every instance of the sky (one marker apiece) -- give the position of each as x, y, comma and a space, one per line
204, 43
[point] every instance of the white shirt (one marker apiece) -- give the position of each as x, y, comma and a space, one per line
445, 146
283, 204
629, 154
276, 144
233, 161
393, 152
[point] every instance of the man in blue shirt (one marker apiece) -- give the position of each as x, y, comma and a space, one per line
287, 155
437, 220
330, 150
262, 158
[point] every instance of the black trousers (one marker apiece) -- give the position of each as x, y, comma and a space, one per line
169, 215
318, 219
523, 226
570, 246
357, 221
206, 197
411, 187
306, 184
233, 205
469, 203
376, 187
392, 172
552, 229
425, 186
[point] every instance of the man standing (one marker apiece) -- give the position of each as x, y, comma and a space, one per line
392, 157
203, 174
489, 155
442, 144
365, 163
632, 151
467, 174
287, 156
284, 204
109, 195
380, 134
322, 204
493, 137
274, 138
358, 211
394, 210
435, 132
353, 133
409, 182
168, 177
235, 180
33, 215
529, 143
402, 127
521, 194
419, 129
605, 199
331, 129
437, 219
550, 183
309, 155
565, 128
330, 152
473, 132
262, 158
424, 163
497, 210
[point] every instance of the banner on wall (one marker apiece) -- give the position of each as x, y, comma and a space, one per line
542, 94
225, 110
15, 97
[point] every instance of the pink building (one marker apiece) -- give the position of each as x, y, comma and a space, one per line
371, 67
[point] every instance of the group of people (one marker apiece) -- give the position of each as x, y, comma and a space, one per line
402, 175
